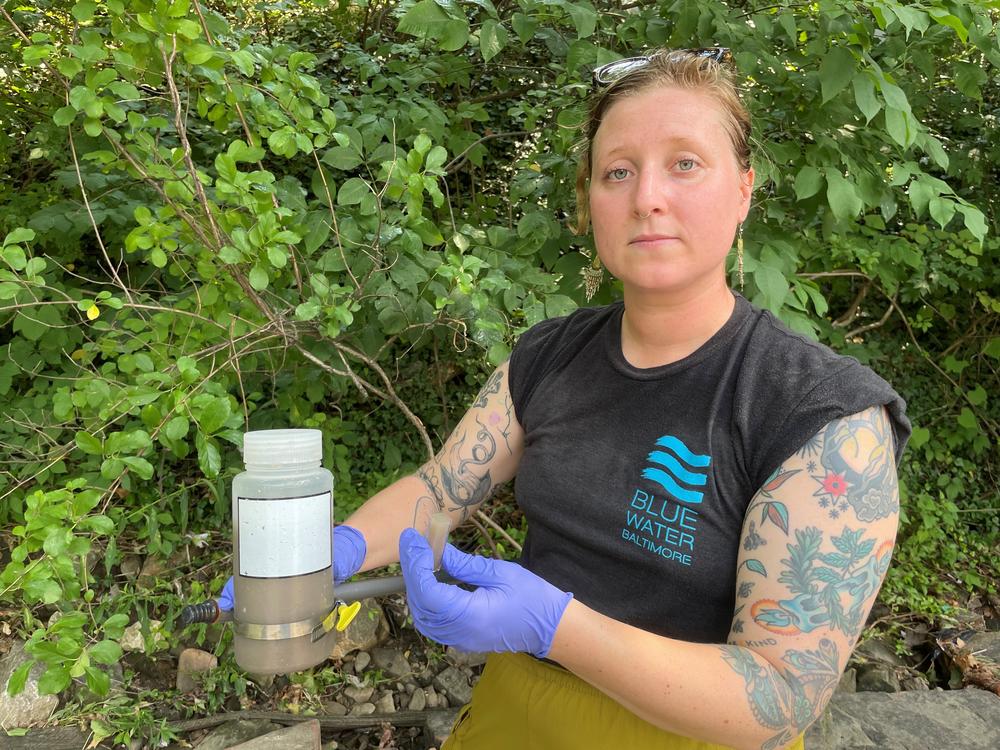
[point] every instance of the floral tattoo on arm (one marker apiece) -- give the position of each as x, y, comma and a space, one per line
831, 574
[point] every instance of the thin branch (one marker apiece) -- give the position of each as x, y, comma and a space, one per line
852, 311
871, 326
459, 160
93, 221
499, 529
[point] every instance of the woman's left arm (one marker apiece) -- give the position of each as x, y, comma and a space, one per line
816, 543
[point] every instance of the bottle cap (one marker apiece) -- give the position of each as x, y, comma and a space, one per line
282, 447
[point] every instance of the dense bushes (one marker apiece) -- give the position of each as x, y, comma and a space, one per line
339, 215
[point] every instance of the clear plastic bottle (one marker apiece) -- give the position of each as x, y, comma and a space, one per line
282, 551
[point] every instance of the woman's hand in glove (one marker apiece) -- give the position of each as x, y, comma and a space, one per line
512, 609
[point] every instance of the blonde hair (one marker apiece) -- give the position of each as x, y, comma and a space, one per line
665, 67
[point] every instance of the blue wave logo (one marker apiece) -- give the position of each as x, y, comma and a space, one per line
679, 465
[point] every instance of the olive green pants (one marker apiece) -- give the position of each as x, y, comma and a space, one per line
521, 703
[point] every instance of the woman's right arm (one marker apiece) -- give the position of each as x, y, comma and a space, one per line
481, 454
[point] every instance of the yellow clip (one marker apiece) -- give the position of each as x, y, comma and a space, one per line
347, 613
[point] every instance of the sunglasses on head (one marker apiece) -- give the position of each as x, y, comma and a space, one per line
615, 71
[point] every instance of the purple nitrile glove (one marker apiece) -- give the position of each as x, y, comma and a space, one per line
511, 610
349, 551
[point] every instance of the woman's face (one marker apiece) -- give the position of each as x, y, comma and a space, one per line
666, 192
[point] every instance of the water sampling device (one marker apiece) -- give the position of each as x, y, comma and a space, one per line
285, 601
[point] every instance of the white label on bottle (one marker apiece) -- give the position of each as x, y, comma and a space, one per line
285, 537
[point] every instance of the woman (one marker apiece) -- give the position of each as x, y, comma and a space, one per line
712, 499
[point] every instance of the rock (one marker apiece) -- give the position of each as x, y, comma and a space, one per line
964, 619
130, 566
234, 732
880, 678
464, 658
303, 736
848, 681
362, 709
334, 708
392, 662
193, 662
919, 720
418, 701
454, 685
438, 726
133, 639
359, 694
913, 682
430, 697
27, 707
878, 650
331, 745
366, 631
985, 646
386, 704
361, 662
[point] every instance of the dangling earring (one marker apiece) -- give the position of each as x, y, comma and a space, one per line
593, 275
739, 253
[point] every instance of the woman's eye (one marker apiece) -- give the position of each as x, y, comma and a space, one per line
618, 174
686, 165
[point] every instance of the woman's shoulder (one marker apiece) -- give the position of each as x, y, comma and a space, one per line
581, 324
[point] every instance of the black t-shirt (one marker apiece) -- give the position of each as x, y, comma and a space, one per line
635, 481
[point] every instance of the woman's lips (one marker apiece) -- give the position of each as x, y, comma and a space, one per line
649, 240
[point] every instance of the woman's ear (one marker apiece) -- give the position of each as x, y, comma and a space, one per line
746, 192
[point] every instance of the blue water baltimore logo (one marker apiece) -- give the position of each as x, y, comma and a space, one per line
666, 524
669, 472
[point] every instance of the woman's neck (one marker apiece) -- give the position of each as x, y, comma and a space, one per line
658, 330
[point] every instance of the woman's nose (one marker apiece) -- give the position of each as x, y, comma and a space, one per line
650, 194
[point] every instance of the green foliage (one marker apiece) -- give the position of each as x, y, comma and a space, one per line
220, 218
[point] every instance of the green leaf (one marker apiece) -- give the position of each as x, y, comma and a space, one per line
84, 10
864, 95
197, 54
344, 158
54, 681
977, 396
18, 679
21, 234
942, 210
277, 257
808, 182
352, 191
772, 284
99, 524
992, 348
969, 77
213, 415
967, 419
426, 19
115, 625
177, 428
105, 652
975, 221
492, 39
920, 192
756, 566
836, 71
584, 17
919, 436
258, 278
140, 466
524, 26
842, 195
89, 444
99, 683
900, 126
209, 458
64, 116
